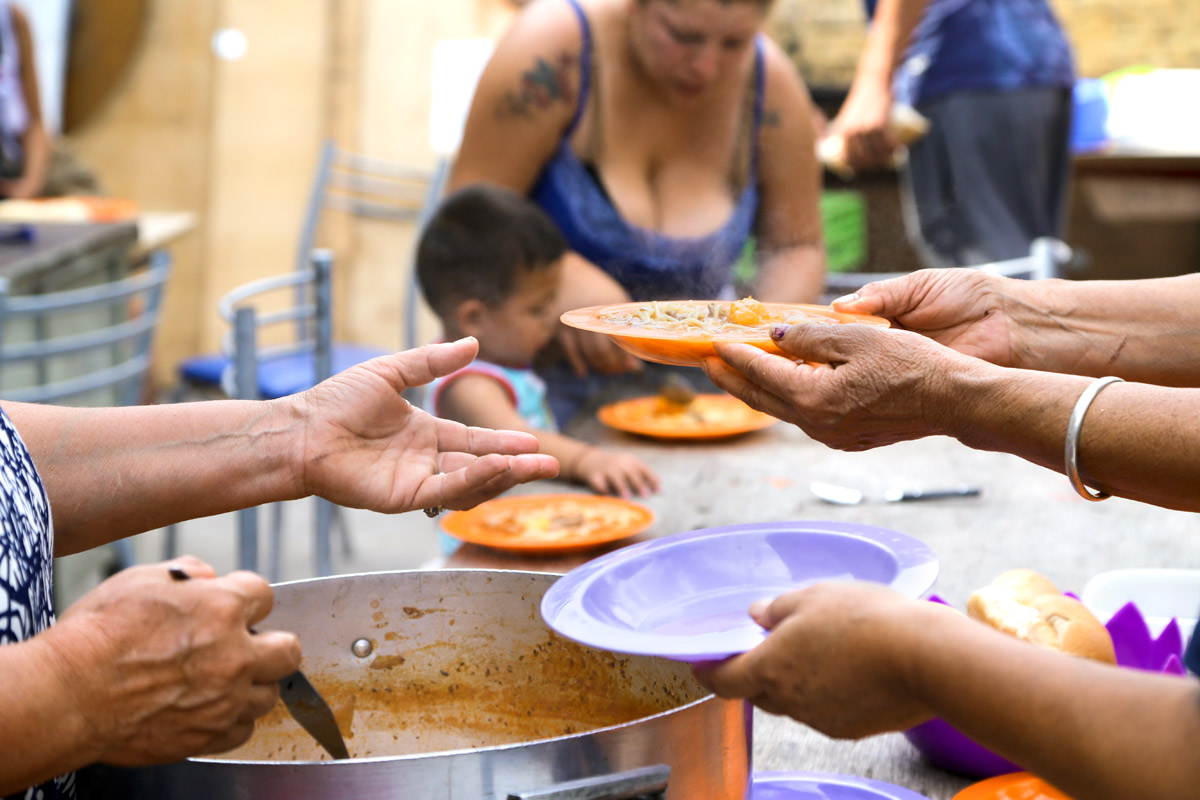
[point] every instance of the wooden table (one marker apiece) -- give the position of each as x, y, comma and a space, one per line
1026, 516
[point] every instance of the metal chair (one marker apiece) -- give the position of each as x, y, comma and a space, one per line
374, 188
361, 186
89, 346
303, 308
1048, 258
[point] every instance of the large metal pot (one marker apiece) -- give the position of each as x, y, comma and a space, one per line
451, 686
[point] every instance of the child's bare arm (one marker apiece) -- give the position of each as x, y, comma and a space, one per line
476, 399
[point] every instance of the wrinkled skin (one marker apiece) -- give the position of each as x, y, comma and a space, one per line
863, 386
834, 660
163, 669
365, 446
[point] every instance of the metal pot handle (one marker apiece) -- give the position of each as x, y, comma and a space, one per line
646, 783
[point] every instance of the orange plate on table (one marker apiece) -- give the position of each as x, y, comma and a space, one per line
708, 416
689, 347
1016, 786
549, 522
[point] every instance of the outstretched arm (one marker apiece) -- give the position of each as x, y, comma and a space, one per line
353, 439
853, 659
35, 141
877, 386
864, 117
1141, 330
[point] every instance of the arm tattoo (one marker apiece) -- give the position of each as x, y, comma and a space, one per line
540, 87
771, 118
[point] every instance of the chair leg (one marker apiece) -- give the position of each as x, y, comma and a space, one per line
275, 564
170, 542
123, 555
248, 539
342, 526
324, 524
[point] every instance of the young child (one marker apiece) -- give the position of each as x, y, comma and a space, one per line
489, 262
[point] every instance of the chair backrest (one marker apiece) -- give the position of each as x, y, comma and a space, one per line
309, 315
87, 346
373, 188
1048, 258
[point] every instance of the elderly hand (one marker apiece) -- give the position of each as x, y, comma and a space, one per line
870, 386
365, 446
965, 309
836, 659
161, 670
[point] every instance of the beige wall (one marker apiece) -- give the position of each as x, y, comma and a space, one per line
825, 36
235, 141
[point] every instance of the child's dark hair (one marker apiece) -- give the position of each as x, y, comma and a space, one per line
481, 237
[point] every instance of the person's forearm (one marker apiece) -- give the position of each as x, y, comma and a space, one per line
1137, 440
36, 144
585, 284
794, 274
43, 732
887, 38
113, 472
569, 452
1140, 330
1091, 730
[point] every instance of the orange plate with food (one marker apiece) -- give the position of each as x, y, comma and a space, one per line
707, 416
549, 522
683, 331
1014, 786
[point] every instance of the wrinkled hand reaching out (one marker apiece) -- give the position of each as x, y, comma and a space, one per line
965, 309
870, 386
365, 446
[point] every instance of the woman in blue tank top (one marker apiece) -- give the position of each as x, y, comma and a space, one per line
660, 135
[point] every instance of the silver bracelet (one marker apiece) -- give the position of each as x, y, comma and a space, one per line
1071, 452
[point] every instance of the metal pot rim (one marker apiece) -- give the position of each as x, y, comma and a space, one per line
415, 756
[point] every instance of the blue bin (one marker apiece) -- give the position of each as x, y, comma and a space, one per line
1089, 119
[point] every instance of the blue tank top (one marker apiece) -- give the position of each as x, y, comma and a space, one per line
982, 45
648, 264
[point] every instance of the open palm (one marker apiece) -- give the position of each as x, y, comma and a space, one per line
365, 446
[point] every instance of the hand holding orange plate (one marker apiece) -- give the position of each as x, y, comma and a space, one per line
708, 416
549, 523
689, 344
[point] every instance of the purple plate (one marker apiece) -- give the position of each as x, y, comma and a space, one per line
825, 786
1135, 648
687, 596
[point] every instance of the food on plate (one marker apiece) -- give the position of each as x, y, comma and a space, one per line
706, 411
558, 520
739, 317
1027, 605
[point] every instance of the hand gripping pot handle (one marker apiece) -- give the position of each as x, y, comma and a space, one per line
647, 783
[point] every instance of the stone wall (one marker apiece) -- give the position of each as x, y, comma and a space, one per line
825, 36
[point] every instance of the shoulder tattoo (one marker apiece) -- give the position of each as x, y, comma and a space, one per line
542, 86
771, 118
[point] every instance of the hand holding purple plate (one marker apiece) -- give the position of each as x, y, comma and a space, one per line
687, 597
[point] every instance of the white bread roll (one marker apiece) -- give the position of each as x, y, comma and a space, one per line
1025, 604
906, 125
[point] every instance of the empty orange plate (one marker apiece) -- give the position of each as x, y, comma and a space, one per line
1017, 786
688, 345
708, 416
549, 522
